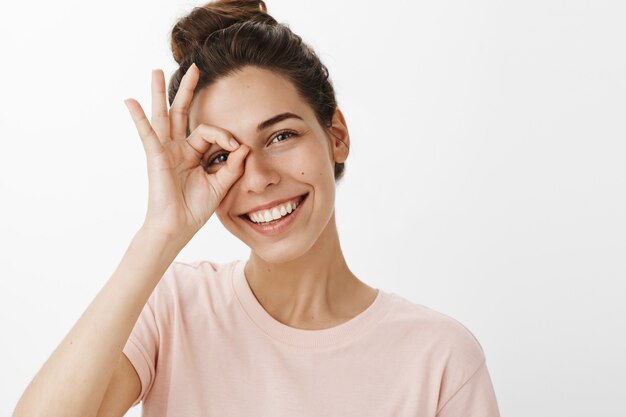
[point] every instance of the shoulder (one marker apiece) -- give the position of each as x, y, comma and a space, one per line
185, 273
186, 282
436, 344
444, 340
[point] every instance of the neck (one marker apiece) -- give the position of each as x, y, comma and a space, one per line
314, 290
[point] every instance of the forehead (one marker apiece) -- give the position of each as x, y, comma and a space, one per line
241, 100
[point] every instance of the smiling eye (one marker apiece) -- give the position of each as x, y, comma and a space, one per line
212, 161
286, 132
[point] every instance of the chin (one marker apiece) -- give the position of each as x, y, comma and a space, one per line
278, 253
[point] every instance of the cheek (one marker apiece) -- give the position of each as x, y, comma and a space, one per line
308, 163
224, 207
220, 213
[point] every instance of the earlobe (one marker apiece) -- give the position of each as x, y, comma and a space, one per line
341, 137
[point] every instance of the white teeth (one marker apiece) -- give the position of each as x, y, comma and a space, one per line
273, 214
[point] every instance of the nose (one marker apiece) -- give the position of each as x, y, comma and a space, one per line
259, 173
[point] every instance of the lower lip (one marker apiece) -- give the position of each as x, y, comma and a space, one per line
280, 226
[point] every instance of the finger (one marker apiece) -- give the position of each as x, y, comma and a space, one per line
180, 105
160, 119
227, 175
148, 136
203, 136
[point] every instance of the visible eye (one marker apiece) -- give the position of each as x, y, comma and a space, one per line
284, 132
214, 160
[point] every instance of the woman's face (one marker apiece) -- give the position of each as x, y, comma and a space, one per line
287, 159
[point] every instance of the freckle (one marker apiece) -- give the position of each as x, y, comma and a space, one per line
302, 173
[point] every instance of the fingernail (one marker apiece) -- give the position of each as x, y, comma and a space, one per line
233, 143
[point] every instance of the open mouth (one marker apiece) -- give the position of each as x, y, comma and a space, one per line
300, 201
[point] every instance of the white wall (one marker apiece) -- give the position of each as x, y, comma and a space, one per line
486, 179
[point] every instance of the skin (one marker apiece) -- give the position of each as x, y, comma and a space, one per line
300, 276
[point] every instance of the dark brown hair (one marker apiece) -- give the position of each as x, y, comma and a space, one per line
223, 36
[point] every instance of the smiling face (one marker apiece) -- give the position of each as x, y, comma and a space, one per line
287, 159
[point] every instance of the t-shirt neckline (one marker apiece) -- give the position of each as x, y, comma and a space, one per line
305, 338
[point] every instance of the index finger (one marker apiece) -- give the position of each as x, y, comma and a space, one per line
180, 105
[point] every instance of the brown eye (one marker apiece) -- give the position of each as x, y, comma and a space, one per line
218, 160
287, 133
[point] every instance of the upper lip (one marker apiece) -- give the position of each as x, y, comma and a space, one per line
272, 204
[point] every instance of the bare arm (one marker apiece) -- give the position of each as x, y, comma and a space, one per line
74, 379
182, 196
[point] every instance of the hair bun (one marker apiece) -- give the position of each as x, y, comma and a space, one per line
190, 32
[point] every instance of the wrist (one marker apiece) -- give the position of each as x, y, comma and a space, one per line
160, 237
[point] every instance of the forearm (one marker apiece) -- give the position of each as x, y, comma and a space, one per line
73, 380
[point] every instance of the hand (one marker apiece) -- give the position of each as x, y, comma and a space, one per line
182, 195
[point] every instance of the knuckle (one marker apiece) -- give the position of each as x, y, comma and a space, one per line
214, 131
177, 110
141, 121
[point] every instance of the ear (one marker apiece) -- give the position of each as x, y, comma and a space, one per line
340, 138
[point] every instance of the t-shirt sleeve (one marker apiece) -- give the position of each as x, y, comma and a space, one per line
466, 388
475, 398
142, 347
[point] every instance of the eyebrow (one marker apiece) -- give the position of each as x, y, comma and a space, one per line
264, 125
276, 119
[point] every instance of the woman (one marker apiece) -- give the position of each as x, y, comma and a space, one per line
253, 135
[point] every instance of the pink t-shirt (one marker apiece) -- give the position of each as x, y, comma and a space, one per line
204, 346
